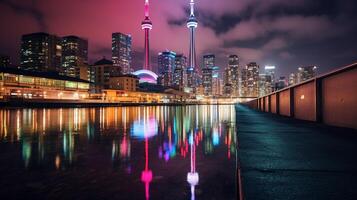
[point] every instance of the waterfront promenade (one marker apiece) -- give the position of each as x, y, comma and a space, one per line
284, 158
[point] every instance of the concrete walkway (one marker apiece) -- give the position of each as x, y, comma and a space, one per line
284, 158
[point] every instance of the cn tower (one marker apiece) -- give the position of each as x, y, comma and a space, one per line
146, 25
192, 25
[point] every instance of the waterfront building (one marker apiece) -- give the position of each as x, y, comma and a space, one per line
4, 61
121, 52
75, 56
250, 78
306, 73
24, 84
207, 81
127, 82
265, 84
234, 79
270, 71
179, 76
114, 95
102, 70
227, 77
166, 67
216, 82
40, 52
209, 61
191, 69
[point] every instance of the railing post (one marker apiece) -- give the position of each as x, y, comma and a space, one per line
318, 94
277, 100
292, 99
269, 103
260, 104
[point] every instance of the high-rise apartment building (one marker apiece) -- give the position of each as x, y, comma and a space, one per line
209, 62
281, 83
305, 73
250, 79
179, 76
166, 67
75, 56
265, 84
233, 65
40, 52
293, 79
227, 81
121, 53
270, 71
216, 82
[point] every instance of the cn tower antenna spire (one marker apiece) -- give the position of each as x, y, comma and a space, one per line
192, 3
146, 8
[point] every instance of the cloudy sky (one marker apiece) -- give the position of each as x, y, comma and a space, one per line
285, 33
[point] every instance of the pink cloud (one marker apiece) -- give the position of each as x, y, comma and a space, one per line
275, 44
298, 27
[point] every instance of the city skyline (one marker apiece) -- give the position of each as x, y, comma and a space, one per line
170, 18
198, 99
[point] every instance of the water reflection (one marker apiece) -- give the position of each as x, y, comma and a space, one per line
58, 139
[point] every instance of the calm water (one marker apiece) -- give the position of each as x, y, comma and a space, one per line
162, 152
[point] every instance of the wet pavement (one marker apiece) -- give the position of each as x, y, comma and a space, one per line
177, 152
284, 158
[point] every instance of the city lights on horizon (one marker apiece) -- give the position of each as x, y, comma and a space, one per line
176, 71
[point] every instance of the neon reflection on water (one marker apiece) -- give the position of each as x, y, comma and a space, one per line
192, 176
60, 136
145, 129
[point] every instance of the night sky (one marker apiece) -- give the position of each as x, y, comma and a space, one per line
285, 33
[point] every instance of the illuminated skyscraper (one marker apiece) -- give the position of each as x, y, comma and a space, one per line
250, 79
306, 73
292, 79
281, 83
227, 81
191, 69
146, 25
74, 56
179, 77
40, 52
207, 73
166, 65
216, 82
270, 71
233, 65
121, 52
265, 84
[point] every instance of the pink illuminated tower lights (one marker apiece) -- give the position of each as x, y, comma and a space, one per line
146, 25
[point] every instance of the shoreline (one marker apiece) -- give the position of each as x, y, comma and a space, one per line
82, 104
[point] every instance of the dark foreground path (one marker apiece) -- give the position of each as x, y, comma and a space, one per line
283, 158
